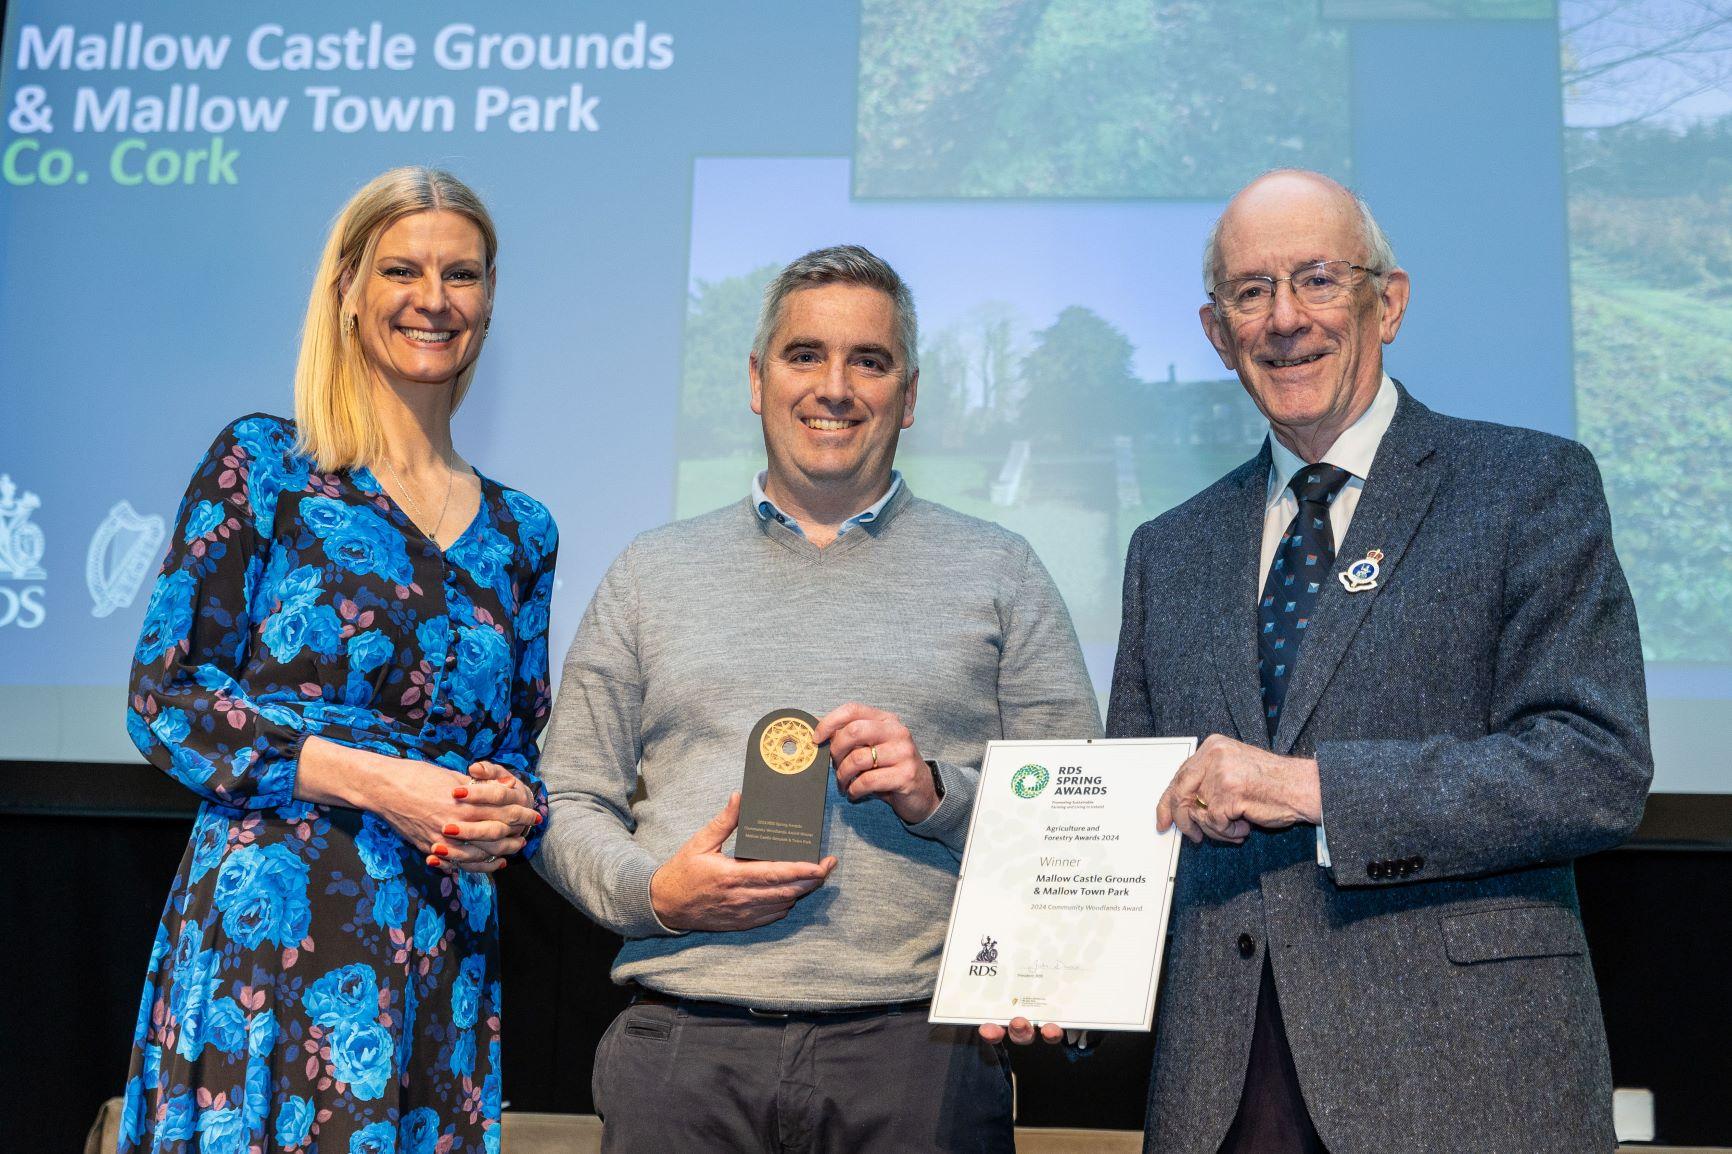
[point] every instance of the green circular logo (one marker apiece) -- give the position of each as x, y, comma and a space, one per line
1029, 780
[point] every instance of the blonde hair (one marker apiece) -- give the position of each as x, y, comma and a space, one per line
334, 418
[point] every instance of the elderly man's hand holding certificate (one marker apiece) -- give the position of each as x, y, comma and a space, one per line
1060, 912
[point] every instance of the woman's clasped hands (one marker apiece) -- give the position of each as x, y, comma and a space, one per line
494, 813
472, 821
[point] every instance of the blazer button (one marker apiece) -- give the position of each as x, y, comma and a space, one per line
1418, 863
1374, 870
1247, 945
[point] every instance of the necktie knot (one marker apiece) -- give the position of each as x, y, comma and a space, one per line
1318, 484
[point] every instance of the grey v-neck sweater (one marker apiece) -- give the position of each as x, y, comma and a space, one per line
700, 628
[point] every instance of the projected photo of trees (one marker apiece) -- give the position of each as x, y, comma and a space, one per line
1095, 98
1648, 111
1439, 9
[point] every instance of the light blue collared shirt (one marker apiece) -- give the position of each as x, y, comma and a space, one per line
767, 508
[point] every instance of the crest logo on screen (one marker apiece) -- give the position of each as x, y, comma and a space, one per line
985, 964
1029, 781
121, 553
21, 549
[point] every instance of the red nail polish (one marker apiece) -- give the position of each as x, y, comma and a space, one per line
460, 792
441, 849
449, 831
538, 818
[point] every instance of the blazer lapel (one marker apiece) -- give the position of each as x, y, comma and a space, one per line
1396, 498
1233, 571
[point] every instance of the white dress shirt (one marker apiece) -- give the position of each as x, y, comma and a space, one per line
1353, 450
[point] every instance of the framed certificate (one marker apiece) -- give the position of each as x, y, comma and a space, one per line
1060, 914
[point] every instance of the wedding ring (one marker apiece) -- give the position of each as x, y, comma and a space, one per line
491, 858
1200, 804
874, 757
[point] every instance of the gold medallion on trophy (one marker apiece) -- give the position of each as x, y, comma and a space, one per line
787, 746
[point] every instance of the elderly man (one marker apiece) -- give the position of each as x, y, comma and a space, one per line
1413, 656
781, 1006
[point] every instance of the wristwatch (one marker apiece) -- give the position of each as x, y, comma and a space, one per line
937, 779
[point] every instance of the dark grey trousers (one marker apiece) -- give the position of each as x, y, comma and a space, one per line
671, 1079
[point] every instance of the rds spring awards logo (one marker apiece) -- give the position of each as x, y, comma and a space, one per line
1029, 781
21, 548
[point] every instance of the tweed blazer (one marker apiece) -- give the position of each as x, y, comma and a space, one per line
1479, 720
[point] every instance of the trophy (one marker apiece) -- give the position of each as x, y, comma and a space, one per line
782, 795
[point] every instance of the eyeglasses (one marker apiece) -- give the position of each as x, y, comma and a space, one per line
1315, 284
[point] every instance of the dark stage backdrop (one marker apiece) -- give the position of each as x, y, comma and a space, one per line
91, 850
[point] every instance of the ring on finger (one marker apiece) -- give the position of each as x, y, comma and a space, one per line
874, 757
490, 858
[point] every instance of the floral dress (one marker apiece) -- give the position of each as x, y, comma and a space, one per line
315, 986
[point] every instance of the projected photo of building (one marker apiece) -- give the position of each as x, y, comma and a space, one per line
1066, 389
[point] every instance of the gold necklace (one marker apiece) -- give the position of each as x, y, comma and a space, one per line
419, 517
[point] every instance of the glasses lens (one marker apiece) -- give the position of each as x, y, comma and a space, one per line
1322, 283
1252, 294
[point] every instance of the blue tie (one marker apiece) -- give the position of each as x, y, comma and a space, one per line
1302, 564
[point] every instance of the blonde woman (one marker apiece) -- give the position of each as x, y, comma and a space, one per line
345, 657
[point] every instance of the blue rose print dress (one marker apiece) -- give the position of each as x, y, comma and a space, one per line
314, 986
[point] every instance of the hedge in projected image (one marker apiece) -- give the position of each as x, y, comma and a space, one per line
1648, 112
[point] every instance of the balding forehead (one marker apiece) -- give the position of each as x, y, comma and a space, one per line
1288, 218
1285, 220
1276, 191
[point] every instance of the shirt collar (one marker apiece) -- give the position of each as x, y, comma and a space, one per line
1353, 450
767, 510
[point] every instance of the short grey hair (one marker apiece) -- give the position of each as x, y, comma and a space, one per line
848, 264
1379, 253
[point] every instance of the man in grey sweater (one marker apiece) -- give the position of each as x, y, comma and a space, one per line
782, 1005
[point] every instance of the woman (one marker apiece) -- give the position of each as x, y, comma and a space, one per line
345, 656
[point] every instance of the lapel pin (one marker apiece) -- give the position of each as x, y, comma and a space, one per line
1362, 574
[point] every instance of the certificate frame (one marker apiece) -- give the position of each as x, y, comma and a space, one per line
1081, 958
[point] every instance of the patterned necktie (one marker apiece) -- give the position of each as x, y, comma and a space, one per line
1302, 563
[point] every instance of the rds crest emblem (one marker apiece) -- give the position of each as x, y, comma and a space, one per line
21, 549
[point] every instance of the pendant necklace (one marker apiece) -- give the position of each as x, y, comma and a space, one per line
419, 517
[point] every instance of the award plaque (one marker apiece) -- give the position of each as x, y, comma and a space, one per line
783, 793
1061, 911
